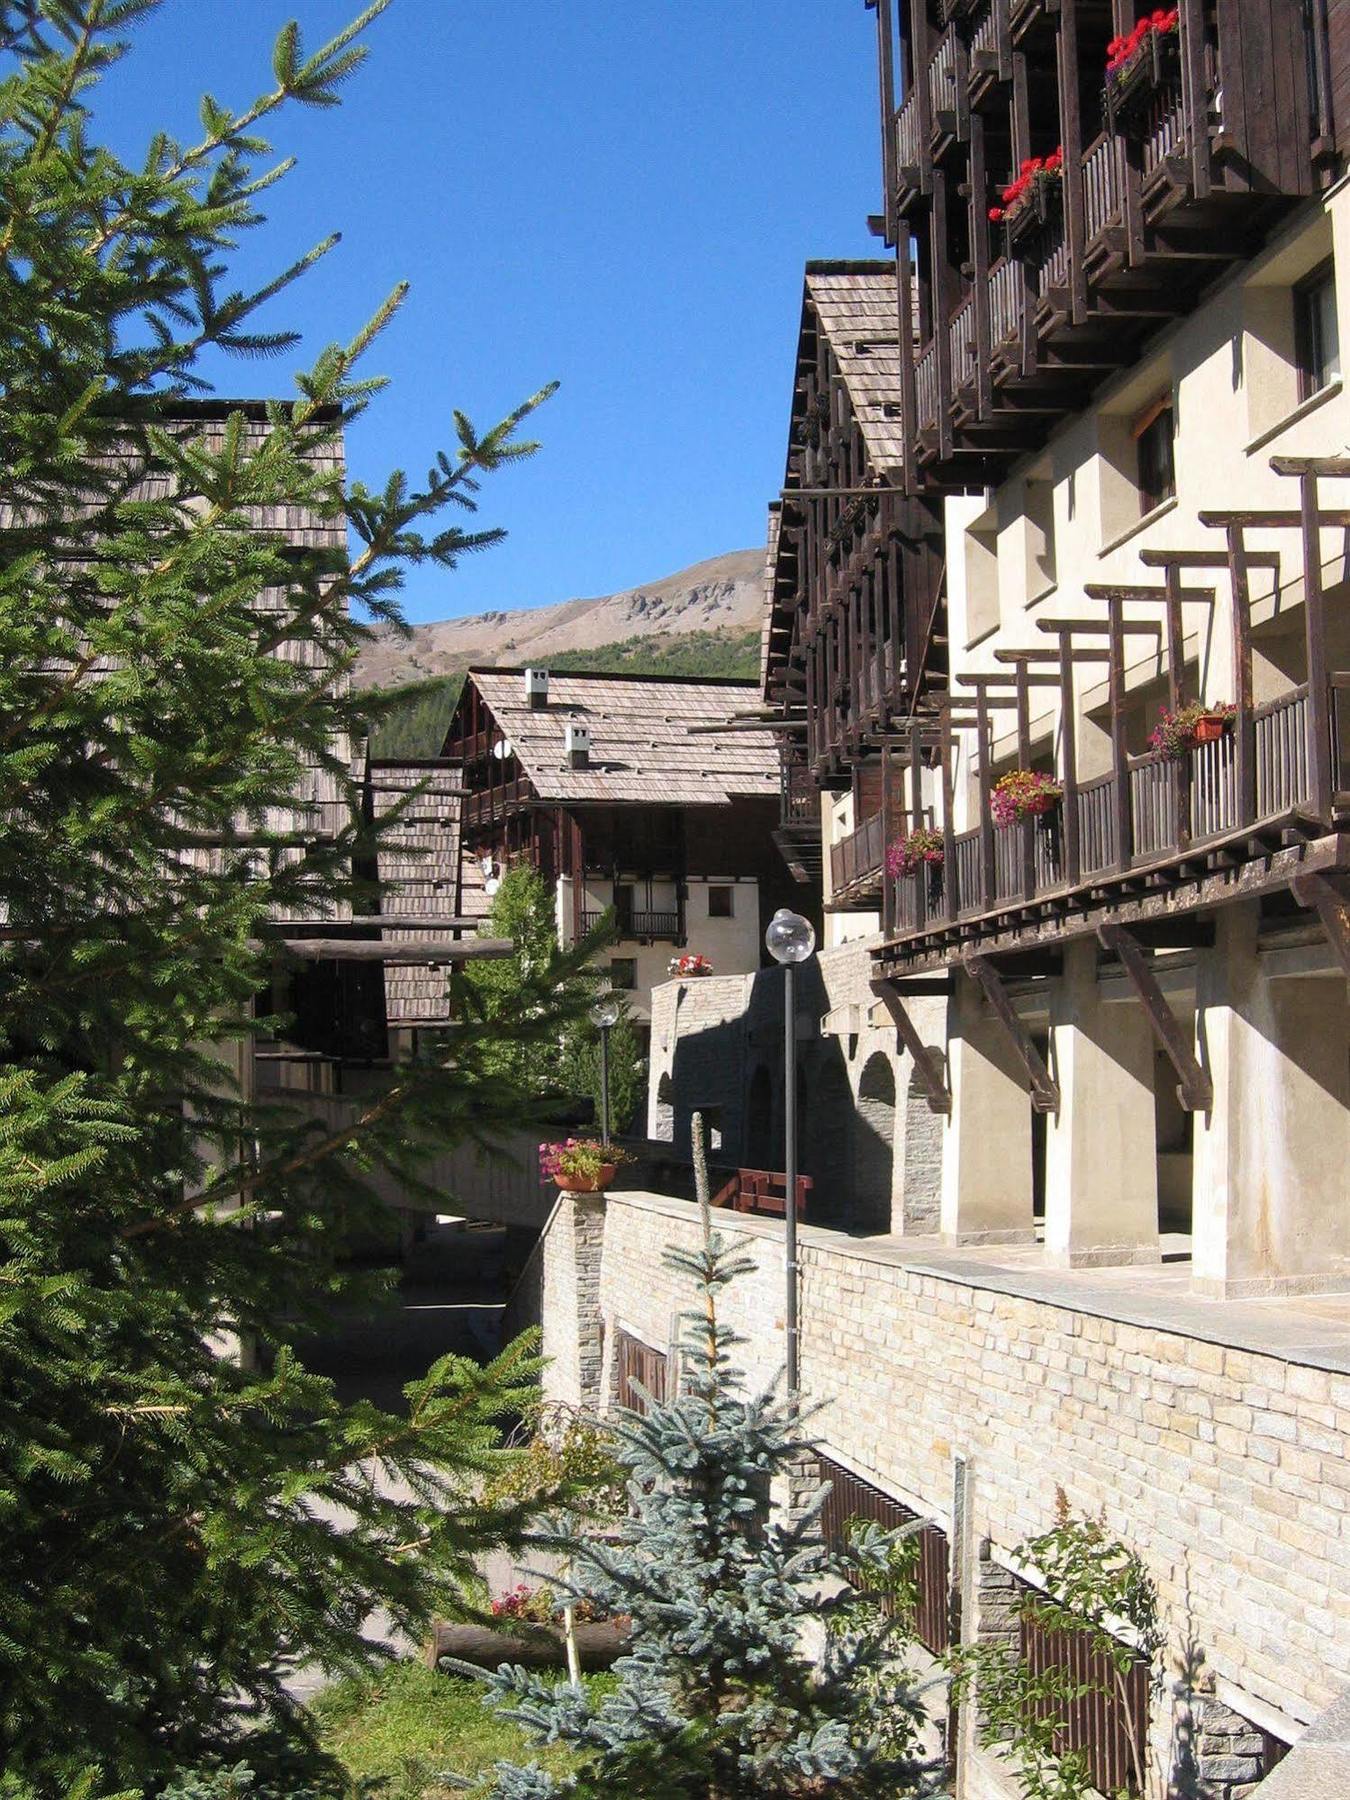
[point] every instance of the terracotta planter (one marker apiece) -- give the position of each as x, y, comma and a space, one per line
1209, 728
578, 1184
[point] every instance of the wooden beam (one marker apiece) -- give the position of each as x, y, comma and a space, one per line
1328, 894
1195, 1090
1206, 559
930, 1078
1044, 1089
1315, 645
1273, 520
423, 955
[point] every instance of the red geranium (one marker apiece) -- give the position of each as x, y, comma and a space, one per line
1122, 50
1034, 166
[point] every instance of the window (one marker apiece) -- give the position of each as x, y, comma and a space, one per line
1153, 432
623, 972
721, 903
1317, 339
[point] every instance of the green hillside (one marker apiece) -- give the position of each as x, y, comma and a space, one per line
416, 723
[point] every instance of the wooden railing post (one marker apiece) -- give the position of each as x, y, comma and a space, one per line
1068, 732
951, 892
1244, 726
1120, 760
988, 883
1027, 829
887, 881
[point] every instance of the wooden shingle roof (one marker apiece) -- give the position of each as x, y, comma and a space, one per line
641, 748
857, 313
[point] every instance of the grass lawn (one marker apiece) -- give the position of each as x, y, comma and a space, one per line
408, 1724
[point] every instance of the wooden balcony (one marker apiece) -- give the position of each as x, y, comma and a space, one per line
664, 925
1151, 209
491, 804
1179, 822
856, 864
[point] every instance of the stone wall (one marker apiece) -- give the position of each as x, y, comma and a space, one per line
1222, 1466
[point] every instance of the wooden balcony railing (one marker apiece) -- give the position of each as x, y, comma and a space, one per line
907, 141
1176, 810
668, 923
961, 342
858, 857
942, 78
800, 795
926, 389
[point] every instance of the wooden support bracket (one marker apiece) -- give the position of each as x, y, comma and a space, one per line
931, 1078
1329, 895
1044, 1088
1195, 1090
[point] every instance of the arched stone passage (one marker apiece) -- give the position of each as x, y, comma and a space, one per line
874, 1145
827, 1133
663, 1115
759, 1150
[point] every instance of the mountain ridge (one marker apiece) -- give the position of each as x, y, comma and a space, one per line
721, 595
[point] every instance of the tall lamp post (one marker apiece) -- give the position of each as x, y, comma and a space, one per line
790, 940
604, 1015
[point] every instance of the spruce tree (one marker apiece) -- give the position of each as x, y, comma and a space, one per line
171, 674
755, 1670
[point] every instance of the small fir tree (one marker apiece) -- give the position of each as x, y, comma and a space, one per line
720, 1696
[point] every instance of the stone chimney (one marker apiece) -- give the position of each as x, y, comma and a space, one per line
577, 738
536, 689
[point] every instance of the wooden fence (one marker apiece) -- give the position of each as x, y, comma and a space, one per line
850, 1498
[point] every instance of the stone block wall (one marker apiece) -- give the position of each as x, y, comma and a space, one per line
1223, 1467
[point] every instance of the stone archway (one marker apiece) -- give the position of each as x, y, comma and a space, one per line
874, 1145
759, 1144
663, 1114
828, 1134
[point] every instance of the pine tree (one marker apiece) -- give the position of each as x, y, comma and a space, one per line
582, 1071
719, 1697
171, 674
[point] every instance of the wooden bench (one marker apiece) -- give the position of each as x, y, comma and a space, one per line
762, 1191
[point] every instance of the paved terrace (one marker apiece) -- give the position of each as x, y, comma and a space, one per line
1312, 1329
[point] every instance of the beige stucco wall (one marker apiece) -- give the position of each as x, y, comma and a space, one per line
1229, 366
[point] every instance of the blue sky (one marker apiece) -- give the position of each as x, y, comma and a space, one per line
619, 194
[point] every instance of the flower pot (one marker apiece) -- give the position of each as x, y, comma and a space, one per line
1209, 728
581, 1184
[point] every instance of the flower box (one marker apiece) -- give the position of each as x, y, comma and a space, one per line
1139, 66
1023, 794
1032, 200
683, 967
1198, 722
918, 849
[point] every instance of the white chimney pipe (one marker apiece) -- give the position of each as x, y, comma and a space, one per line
536, 688
577, 740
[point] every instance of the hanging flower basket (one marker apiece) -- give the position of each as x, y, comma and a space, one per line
580, 1165
922, 848
1023, 794
682, 967
1139, 65
1198, 722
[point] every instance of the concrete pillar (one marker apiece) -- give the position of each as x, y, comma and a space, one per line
1271, 1182
986, 1163
1101, 1162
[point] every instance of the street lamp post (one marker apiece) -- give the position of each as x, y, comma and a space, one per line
790, 940
604, 1014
